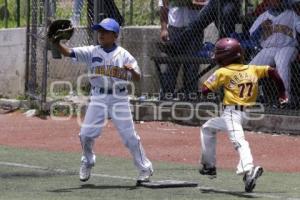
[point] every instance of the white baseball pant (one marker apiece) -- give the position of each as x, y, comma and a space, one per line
119, 110
230, 122
279, 57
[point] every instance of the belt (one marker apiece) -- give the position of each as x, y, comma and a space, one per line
235, 107
108, 91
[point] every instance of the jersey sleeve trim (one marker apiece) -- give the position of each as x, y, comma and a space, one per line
209, 87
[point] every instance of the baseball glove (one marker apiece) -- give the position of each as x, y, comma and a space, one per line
60, 29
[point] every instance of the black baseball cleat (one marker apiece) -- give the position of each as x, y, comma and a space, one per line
251, 177
211, 172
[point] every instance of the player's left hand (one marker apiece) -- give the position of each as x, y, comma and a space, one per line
60, 29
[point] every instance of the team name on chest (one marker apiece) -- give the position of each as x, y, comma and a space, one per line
112, 71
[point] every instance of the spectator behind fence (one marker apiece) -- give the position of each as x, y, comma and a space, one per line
276, 30
109, 10
224, 13
175, 17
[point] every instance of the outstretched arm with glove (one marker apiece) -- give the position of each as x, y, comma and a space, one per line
61, 30
63, 49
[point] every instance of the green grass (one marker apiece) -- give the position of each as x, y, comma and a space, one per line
47, 184
11, 6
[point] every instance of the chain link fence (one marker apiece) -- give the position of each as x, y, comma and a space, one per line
179, 54
267, 30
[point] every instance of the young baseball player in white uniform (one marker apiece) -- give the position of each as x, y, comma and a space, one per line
240, 83
110, 68
276, 30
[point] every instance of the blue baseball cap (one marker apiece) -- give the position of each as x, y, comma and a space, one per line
108, 24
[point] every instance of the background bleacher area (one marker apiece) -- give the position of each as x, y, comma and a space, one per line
141, 36
249, 12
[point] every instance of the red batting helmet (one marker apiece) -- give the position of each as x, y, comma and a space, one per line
228, 51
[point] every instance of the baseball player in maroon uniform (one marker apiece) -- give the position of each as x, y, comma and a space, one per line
240, 83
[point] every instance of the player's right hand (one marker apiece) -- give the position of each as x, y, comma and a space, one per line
267, 28
128, 67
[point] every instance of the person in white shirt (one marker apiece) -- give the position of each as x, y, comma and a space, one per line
175, 16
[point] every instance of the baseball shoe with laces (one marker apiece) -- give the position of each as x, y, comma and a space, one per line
85, 171
144, 176
251, 177
211, 172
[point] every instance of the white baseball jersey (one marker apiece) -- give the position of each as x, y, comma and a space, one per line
180, 16
106, 69
284, 28
279, 44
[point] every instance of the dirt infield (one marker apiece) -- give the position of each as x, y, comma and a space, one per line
162, 141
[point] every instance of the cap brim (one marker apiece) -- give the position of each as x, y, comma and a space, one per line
97, 27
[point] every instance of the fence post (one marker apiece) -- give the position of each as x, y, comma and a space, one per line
131, 12
45, 55
152, 12
27, 46
18, 12
34, 23
5, 14
123, 10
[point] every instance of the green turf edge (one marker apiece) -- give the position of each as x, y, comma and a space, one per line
26, 183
